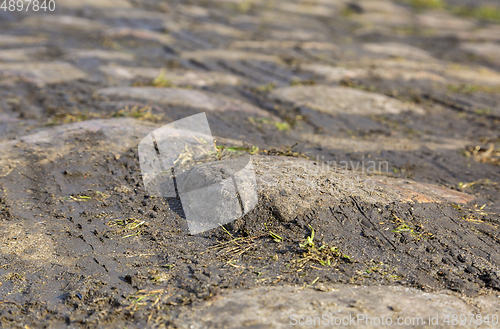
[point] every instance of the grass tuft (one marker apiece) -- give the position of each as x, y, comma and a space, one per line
235, 247
161, 80
128, 226
489, 154
267, 87
468, 89
425, 4
489, 13
324, 254
260, 122
144, 113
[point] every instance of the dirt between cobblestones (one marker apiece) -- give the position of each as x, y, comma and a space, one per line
376, 150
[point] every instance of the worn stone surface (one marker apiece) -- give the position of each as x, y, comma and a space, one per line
382, 14
283, 45
489, 33
444, 22
297, 35
335, 74
95, 3
305, 178
338, 74
175, 77
369, 307
194, 11
380, 20
141, 34
229, 55
63, 22
397, 50
220, 29
477, 75
308, 9
487, 50
21, 54
385, 143
41, 73
6, 39
99, 54
336, 100
183, 97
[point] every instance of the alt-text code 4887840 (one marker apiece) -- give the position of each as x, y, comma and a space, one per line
28, 5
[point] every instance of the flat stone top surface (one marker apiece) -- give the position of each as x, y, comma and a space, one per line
324, 306
334, 100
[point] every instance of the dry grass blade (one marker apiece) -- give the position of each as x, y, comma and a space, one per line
127, 226
153, 299
485, 155
236, 246
145, 113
